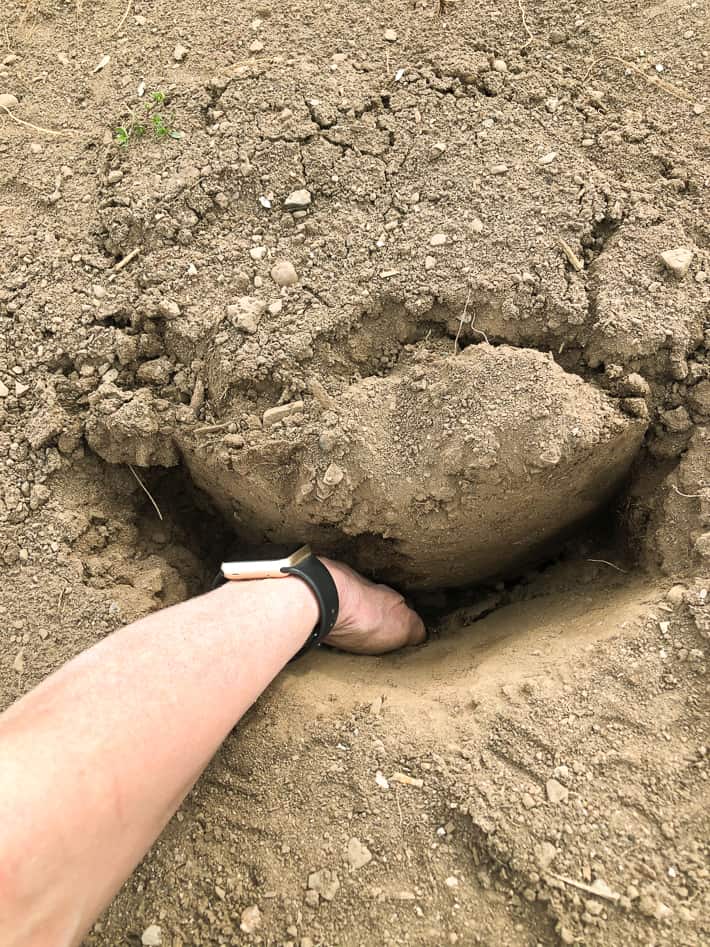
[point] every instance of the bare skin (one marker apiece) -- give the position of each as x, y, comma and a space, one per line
96, 759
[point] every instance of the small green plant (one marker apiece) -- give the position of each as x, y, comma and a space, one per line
150, 117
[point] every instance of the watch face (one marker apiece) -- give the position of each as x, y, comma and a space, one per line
264, 568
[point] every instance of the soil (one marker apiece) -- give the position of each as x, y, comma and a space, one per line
426, 283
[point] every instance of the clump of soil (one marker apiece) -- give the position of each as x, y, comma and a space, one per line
431, 293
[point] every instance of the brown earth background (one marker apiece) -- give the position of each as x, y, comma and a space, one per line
426, 283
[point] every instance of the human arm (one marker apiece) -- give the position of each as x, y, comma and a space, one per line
97, 758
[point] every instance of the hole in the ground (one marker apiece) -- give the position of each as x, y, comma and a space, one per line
601, 544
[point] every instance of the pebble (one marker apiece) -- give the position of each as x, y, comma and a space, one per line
7, 100
36, 148
528, 801
438, 240
272, 415
246, 313
152, 936
298, 200
676, 595
168, 309
477, 225
179, 53
257, 253
391, 36
233, 440
557, 36
4, 390
250, 919
452, 882
358, 855
21, 389
114, 177
256, 46
499, 168
546, 853
698, 109
556, 792
500, 65
324, 882
677, 261
429, 263
548, 158
283, 273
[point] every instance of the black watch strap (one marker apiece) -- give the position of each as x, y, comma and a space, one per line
321, 583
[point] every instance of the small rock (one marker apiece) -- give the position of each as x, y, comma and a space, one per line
677, 261
391, 36
179, 53
381, 780
477, 225
358, 855
699, 397
438, 240
333, 475
325, 883
8, 101
528, 801
250, 919
546, 853
284, 273
548, 158
438, 148
19, 663
152, 936
4, 390
676, 594
36, 148
702, 545
233, 440
298, 200
452, 882
676, 420
168, 309
498, 169
256, 46
272, 415
429, 262
21, 389
556, 792
157, 371
246, 313
500, 65
114, 177
275, 307
556, 37
594, 908
698, 109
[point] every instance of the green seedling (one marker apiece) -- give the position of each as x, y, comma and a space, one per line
150, 117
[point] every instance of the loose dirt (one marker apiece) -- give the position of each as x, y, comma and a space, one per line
425, 283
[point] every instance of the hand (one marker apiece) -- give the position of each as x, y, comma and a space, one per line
373, 619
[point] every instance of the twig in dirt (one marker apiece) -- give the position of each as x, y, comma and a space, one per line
124, 17
531, 38
574, 260
127, 259
650, 79
461, 322
146, 491
211, 428
606, 893
689, 496
19, 121
607, 563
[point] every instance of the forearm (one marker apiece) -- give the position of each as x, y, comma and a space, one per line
96, 759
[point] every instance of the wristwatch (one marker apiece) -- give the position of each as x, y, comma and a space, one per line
302, 564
